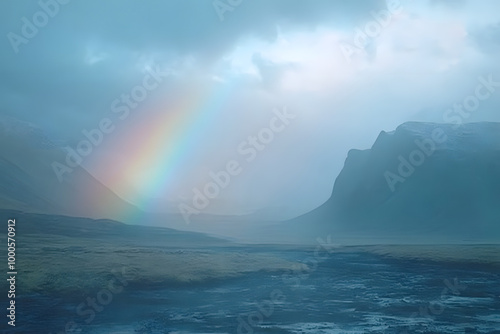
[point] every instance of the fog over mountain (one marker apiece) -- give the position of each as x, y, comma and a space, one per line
423, 182
28, 181
250, 166
345, 69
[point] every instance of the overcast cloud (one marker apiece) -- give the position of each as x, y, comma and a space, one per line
271, 54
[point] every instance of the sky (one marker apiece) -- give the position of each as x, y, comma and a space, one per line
252, 103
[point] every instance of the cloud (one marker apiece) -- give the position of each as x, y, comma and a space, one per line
449, 3
90, 51
270, 53
487, 39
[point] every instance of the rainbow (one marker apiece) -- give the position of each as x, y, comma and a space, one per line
154, 145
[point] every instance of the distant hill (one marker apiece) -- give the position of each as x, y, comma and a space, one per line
28, 181
423, 182
104, 230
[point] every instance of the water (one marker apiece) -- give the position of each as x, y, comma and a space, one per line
352, 292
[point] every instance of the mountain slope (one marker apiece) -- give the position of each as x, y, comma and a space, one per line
422, 182
29, 183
